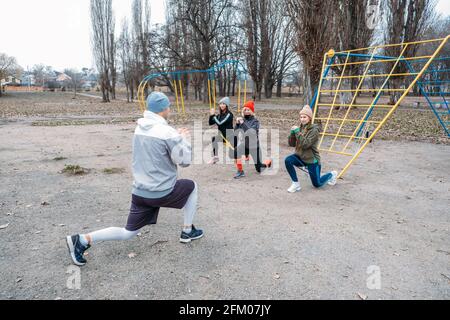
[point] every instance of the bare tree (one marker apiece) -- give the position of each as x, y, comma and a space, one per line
125, 60
314, 21
437, 79
206, 23
8, 66
75, 80
256, 26
281, 50
353, 31
407, 20
228, 46
103, 44
38, 71
142, 36
198, 34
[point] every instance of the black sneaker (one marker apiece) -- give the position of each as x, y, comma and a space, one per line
239, 175
194, 235
76, 250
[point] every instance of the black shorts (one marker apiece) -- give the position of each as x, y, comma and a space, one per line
145, 211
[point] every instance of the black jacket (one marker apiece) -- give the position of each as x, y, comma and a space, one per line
224, 121
250, 123
244, 138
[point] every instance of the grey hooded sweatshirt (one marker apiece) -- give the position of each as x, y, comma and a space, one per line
157, 151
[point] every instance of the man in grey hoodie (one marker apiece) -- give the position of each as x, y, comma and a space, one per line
158, 150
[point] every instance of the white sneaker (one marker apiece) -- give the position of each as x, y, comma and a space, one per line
333, 180
295, 187
213, 161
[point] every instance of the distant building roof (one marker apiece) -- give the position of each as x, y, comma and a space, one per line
63, 77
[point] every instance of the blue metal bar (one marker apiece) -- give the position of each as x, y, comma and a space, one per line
446, 104
436, 59
325, 73
435, 81
359, 55
372, 107
370, 110
442, 70
438, 93
426, 95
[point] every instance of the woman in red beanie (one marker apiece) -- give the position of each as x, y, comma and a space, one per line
246, 140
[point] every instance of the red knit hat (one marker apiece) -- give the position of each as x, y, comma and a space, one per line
250, 105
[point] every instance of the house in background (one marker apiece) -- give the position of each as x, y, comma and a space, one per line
63, 81
28, 79
89, 79
55, 80
10, 81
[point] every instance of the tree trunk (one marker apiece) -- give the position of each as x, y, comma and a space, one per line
268, 89
279, 88
234, 84
311, 85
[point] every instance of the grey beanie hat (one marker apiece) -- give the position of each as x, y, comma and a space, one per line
225, 101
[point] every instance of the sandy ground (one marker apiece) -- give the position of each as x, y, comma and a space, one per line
391, 211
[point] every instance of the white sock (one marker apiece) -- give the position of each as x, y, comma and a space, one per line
109, 234
83, 240
190, 210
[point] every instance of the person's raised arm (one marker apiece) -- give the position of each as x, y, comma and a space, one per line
292, 138
212, 117
180, 148
255, 125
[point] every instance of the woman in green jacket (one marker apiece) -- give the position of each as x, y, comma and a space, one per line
305, 139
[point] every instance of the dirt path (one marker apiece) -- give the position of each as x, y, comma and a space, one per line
392, 211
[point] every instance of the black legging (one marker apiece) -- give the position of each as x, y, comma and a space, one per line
255, 153
215, 143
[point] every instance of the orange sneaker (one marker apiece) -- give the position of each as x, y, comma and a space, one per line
268, 163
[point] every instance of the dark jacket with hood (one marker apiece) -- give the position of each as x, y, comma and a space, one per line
247, 135
250, 122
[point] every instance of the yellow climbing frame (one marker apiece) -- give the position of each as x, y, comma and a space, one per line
347, 127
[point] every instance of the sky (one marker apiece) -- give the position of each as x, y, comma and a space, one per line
57, 32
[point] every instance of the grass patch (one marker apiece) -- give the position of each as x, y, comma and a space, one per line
74, 170
113, 170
